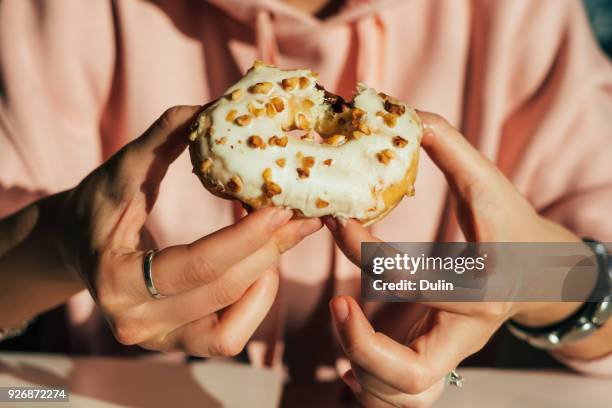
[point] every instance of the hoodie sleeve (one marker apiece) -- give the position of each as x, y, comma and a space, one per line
539, 97
548, 95
56, 63
571, 116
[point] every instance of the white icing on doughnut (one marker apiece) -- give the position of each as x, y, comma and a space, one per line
235, 154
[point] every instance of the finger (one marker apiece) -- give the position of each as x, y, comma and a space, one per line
464, 167
375, 392
451, 339
364, 397
493, 310
166, 138
181, 309
235, 325
391, 362
136, 171
349, 235
183, 267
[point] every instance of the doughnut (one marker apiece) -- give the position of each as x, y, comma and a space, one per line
277, 138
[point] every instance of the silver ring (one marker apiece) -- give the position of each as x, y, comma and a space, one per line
455, 379
147, 268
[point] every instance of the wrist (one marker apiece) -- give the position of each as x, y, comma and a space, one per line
540, 314
33, 273
58, 225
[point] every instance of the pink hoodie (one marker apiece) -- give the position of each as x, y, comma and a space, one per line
522, 79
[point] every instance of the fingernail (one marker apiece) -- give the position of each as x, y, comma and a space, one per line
330, 223
279, 217
308, 226
352, 383
340, 310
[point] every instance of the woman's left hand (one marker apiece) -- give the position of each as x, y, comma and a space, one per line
489, 208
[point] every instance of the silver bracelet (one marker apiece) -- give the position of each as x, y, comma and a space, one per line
586, 320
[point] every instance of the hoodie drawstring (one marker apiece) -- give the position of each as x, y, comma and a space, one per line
267, 48
370, 50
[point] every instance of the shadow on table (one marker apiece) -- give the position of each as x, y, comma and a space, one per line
133, 383
332, 394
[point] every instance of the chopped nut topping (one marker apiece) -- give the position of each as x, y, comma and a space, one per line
270, 111
243, 120
278, 103
257, 112
259, 64
358, 135
335, 140
271, 189
307, 103
303, 172
231, 115
304, 82
194, 126
390, 119
308, 161
289, 84
256, 142
281, 162
236, 95
206, 165
261, 87
235, 184
301, 122
364, 128
278, 141
219, 187
385, 156
341, 121
399, 141
299, 155
398, 110
221, 141
380, 114
267, 174
327, 162
321, 203
357, 114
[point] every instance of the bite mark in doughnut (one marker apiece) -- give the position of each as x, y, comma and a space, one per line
244, 146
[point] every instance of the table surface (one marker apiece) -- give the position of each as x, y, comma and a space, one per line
96, 382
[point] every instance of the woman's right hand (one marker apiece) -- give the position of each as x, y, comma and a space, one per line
218, 289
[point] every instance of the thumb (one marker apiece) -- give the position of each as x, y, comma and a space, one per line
133, 175
467, 171
161, 143
351, 324
349, 235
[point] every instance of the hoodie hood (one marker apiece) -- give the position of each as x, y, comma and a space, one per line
290, 38
247, 11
